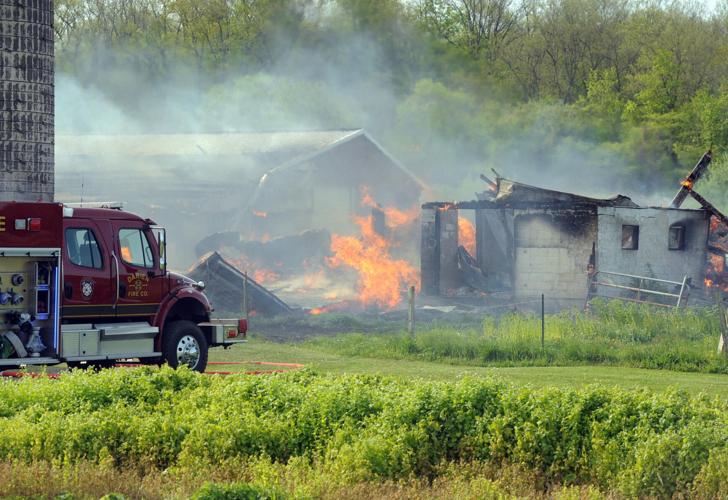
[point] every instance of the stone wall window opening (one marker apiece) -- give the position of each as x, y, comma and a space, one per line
676, 238
630, 237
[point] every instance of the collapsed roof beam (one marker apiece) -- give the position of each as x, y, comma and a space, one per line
709, 207
690, 180
491, 184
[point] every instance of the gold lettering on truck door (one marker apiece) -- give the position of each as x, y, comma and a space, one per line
138, 285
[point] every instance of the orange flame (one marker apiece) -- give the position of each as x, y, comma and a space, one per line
394, 217
366, 197
336, 306
687, 183
714, 275
264, 276
259, 213
717, 263
466, 234
381, 278
240, 263
260, 275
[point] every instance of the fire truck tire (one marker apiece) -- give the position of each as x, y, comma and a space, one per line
185, 344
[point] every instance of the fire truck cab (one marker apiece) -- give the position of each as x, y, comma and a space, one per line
90, 286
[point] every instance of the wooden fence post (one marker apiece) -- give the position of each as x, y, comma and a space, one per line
723, 321
543, 324
411, 315
245, 297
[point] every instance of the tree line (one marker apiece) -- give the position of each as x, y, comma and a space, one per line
631, 91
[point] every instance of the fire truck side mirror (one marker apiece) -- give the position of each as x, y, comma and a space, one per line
161, 235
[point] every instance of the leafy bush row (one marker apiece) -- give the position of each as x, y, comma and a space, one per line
367, 428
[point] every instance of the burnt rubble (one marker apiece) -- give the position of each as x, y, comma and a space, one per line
226, 285
287, 254
532, 241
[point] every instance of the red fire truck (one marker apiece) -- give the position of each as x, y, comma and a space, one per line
90, 286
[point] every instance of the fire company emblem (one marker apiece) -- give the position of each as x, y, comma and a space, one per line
138, 285
87, 288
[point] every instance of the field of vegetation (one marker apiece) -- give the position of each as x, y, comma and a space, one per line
151, 433
458, 411
611, 334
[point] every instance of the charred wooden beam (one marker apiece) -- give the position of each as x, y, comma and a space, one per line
691, 179
448, 227
439, 250
484, 178
225, 286
379, 221
709, 207
470, 272
430, 253
492, 190
717, 250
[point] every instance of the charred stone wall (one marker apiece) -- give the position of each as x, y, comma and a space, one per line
26, 100
552, 253
537, 251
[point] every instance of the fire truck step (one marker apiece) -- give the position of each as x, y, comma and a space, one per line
28, 361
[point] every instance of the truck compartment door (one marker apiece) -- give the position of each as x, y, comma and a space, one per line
102, 341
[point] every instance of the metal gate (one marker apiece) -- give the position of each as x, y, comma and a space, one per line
638, 289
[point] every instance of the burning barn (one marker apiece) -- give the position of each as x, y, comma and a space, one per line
324, 188
530, 241
266, 184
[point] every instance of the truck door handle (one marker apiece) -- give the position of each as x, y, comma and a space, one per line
122, 290
118, 281
68, 290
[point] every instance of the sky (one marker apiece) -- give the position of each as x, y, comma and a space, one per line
711, 4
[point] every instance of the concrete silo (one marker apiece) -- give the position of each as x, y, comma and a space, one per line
26, 100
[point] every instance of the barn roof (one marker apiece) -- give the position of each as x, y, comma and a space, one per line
282, 168
509, 193
512, 192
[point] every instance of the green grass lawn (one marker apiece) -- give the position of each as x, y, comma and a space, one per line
570, 376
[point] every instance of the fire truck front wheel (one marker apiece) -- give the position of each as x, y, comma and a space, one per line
185, 344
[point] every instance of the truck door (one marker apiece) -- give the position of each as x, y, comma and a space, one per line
142, 284
87, 277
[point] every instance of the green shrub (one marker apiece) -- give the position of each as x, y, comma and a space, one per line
236, 491
712, 480
367, 428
